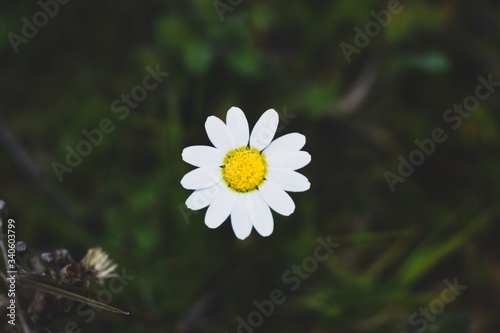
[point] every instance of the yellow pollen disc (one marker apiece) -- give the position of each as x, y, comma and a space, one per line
244, 169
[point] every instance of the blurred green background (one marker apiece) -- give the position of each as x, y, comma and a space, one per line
359, 114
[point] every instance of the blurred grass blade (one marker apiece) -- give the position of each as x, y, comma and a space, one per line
57, 289
426, 256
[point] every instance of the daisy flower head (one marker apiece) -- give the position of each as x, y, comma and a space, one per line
245, 174
101, 265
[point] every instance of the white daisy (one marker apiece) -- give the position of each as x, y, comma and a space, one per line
245, 174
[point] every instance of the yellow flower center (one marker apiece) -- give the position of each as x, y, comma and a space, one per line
244, 169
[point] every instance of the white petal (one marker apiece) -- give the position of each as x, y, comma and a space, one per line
197, 200
264, 130
277, 199
218, 134
260, 214
288, 180
203, 156
238, 126
287, 142
291, 160
201, 177
202, 198
220, 208
240, 220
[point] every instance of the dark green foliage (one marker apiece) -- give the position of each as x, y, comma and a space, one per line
397, 247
